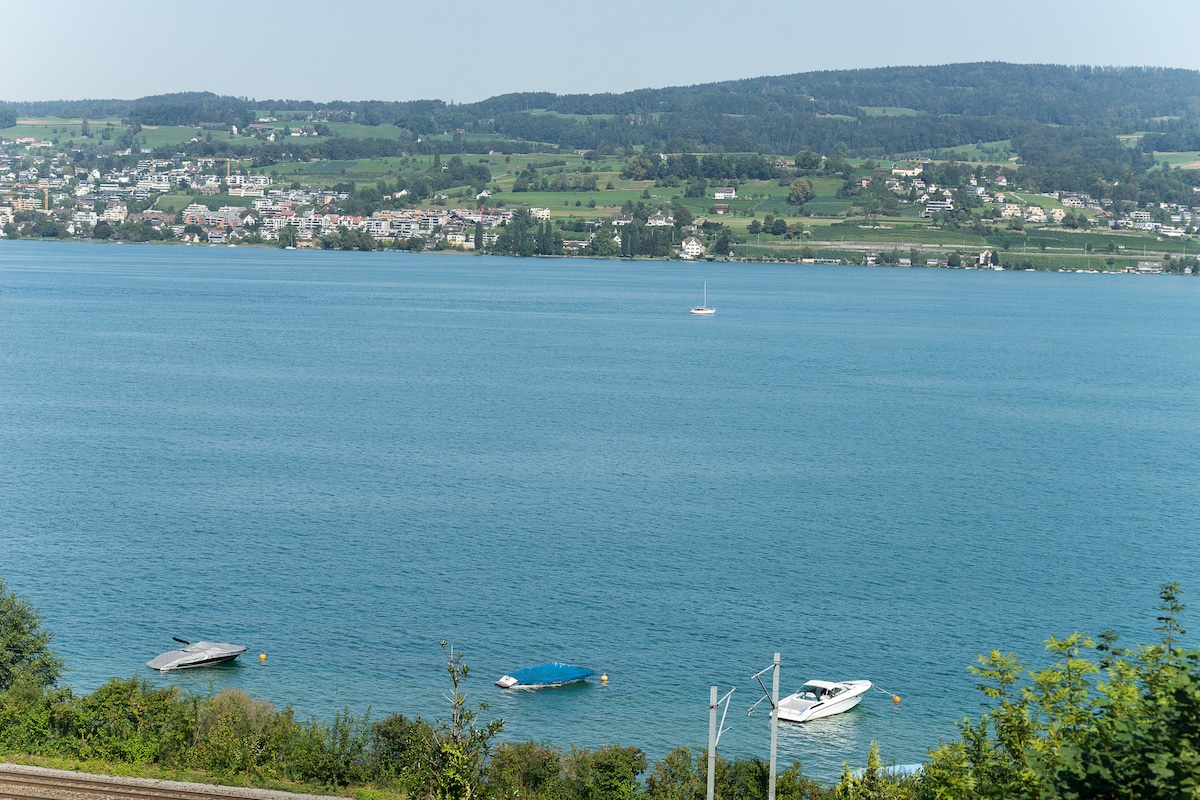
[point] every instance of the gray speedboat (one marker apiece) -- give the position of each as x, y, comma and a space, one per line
196, 654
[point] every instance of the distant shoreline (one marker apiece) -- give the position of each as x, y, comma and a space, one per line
763, 260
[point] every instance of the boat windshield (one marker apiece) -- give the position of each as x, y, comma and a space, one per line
811, 692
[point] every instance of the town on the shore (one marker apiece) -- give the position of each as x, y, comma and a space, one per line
46, 192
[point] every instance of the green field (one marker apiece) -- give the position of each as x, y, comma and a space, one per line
561, 201
1187, 160
542, 112
998, 152
68, 132
177, 201
170, 135
351, 130
889, 111
62, 130
327, 173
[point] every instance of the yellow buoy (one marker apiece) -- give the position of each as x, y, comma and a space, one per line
604, 678
263, 658
895, 698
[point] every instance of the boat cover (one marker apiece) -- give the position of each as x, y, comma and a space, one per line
552, 674
197, 654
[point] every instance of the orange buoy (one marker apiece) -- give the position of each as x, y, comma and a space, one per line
895, 698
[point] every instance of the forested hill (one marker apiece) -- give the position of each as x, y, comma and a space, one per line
1040, 93
877, 112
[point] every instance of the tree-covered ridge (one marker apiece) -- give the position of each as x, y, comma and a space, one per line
955, 104
1043, 93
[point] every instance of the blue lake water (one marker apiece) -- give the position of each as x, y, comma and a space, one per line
340, 459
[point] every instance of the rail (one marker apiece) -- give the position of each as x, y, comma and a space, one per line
36, 782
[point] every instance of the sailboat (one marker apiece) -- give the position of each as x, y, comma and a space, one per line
704, 310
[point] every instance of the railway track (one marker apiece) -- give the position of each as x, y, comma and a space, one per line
26, 783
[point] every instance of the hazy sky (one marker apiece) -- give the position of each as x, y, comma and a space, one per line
469, 50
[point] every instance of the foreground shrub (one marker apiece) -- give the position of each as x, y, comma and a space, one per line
1097, 721
333, 754
31, 720
238, 735
526, 770
610, 773
127, 720
679, 776
402, 754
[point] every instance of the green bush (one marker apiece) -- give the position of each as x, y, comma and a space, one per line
1098, 721
402, 754
526, 770
127, 720
679, 777
31, 720
333, 754
610, 773
238, 735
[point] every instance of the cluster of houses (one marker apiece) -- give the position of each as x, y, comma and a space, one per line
36, 177
1171, 220
270, 215
455, 226
1168, 219
81, 197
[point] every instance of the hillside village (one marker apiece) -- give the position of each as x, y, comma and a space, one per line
45, 192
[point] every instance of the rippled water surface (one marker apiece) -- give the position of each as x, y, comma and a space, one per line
341, 459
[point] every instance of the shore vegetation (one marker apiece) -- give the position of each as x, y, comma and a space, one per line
1095, 720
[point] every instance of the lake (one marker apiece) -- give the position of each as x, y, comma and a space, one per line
341, 459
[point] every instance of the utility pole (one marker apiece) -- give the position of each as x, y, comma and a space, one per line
714, 735
774, 726
773, 697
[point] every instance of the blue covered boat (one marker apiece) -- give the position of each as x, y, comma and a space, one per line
544, 675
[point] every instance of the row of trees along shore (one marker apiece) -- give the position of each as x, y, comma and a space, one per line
1099, 720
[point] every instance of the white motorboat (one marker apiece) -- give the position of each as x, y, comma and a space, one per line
196, 654
704, 310
818, 699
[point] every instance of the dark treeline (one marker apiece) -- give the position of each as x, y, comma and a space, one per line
958, 104
184, 108
1051, 94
